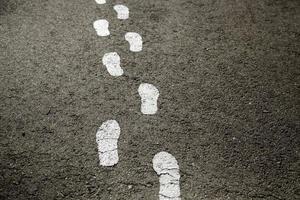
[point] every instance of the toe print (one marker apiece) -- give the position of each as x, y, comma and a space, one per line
166, 167
101, 27
135, 41
149, 95
107, 139
122, 11
112, 63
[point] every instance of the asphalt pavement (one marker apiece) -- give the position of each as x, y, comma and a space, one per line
227, 72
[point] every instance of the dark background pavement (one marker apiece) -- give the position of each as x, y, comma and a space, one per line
228, 75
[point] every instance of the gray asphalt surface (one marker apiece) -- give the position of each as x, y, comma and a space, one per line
228, 76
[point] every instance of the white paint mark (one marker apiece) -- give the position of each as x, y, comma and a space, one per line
166, 167
122, 11
101, 27
135, 41
107, 139
112, 63
100, 1
149, 95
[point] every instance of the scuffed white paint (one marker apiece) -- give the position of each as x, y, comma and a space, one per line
122, 11
101, 27
112, 63
166, 167
135, 41
149, 96
107, 139
100, 1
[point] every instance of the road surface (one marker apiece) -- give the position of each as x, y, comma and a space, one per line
227, 72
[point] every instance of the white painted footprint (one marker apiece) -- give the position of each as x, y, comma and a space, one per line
100, 1
166, 167
101, 27
112, 63
135, 41
122, 11
149, 96
107, 139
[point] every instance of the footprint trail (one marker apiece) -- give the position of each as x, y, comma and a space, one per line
166, 167
149, 96
112, 63
101, 27
164, 164
122, 11
107, 139
135, 41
